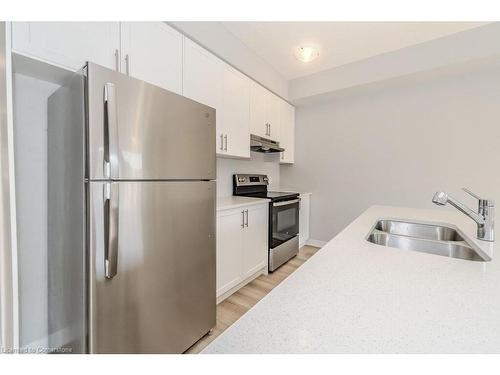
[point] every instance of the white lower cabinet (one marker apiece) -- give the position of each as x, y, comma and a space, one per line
241, 247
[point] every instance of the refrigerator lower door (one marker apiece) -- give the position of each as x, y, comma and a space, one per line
138, 131
152, 265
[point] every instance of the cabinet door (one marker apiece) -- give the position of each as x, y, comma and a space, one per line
69, 44
235, 112
273, 108
229, 250
152, 52
255, 240
287, 133
258, 108
202, 81
202, 75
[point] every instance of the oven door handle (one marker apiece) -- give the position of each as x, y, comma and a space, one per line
286, 203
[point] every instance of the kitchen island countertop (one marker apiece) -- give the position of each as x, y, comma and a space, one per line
353, 296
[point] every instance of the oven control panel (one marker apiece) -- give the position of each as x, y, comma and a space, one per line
250, 179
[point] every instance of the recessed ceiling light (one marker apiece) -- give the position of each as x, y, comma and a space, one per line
306, 53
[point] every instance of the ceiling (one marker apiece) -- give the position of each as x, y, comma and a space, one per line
339, 43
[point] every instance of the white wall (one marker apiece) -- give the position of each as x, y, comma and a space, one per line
259, 163
30, 147
220, 41
397, 145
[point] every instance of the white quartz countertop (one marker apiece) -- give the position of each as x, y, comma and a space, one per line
353, 296
227, 203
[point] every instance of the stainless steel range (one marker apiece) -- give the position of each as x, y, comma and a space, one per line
283, 240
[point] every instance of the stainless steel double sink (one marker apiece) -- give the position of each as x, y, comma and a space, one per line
438, 239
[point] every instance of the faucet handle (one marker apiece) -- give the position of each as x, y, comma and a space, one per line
482, 201
471, 193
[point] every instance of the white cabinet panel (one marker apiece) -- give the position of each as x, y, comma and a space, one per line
203, 81
258, 115
264, 112
241, 247
229, 251
152, 52
235, 114
69, 44
304, 214
273, 104
287, 133
255, 240
202, 75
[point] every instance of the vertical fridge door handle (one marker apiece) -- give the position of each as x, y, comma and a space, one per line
110, 126
117, 60
111, 197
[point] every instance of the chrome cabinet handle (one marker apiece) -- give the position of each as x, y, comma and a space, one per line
110, 126
221, 142
111, 197
243, 219
246, 224
225, 142
127, 64
117, 60
269, 130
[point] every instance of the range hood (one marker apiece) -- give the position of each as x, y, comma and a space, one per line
260, 144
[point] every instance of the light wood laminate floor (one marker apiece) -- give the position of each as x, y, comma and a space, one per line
232, 308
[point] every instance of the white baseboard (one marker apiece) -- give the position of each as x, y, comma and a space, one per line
315, 243
234, 289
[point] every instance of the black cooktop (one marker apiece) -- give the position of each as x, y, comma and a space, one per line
272, 195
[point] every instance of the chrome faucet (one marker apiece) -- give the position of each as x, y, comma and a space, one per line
485, 217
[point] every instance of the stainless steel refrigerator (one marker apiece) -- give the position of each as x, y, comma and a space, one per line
131, 215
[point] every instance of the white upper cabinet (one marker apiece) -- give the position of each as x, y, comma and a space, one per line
210, 81
202, 75
202, 81
273, 111
264, 112
152, 52
258, 115
69, 44
287, 132
235, 114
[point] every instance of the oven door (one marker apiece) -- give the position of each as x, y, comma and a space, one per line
284, 222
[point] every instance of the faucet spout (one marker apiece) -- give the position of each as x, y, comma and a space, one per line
484, 218
466, 210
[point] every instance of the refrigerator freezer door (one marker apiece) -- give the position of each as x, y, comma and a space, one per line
138, 131
162, 297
